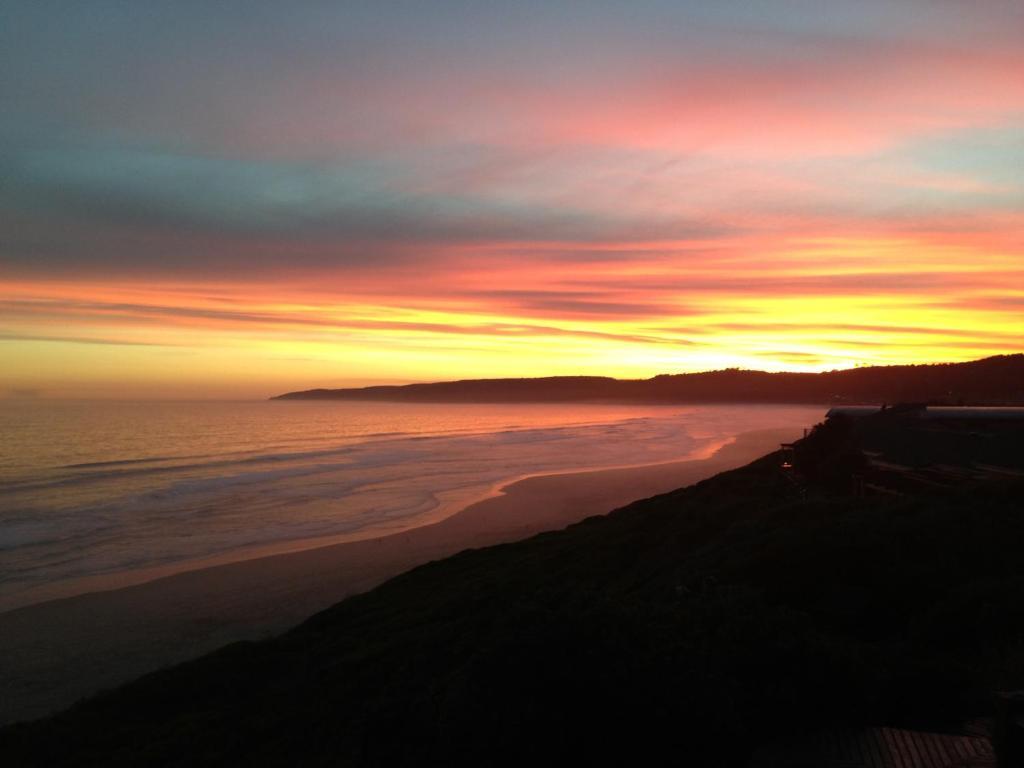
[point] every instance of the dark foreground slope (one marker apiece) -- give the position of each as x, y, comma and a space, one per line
992, 381
695, 624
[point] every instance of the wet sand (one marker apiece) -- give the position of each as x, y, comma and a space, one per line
53, 653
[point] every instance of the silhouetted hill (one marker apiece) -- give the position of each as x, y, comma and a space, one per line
992, 381
690, 626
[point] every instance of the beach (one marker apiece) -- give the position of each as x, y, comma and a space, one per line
54, 653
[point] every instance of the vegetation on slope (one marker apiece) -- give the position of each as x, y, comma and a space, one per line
694, 624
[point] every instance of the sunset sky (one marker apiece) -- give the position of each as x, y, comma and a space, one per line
237, 198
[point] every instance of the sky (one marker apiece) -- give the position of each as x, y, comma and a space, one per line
235, 198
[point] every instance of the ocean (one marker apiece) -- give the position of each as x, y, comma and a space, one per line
99, 494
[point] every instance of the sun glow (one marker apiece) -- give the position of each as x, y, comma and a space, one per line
685, 189
818, 305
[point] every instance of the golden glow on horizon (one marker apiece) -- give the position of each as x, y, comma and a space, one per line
814, 305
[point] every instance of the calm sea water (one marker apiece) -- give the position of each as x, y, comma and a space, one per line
91, 489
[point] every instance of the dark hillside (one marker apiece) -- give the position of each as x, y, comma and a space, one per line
696, 624
992, 381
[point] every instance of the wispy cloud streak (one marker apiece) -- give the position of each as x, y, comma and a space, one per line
511, 189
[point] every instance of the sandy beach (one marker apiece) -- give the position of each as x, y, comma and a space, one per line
53, 653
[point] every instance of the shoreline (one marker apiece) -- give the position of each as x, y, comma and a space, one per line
53, 653
107, 582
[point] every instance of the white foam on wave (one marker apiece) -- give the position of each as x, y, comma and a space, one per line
112, 516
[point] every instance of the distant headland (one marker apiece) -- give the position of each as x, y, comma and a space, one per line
995, 380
